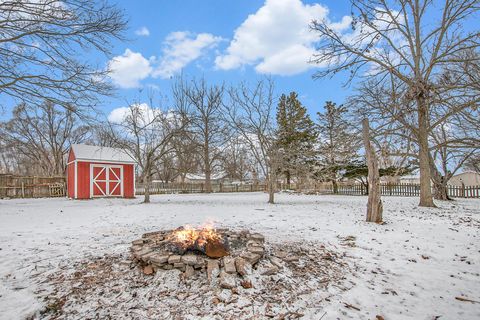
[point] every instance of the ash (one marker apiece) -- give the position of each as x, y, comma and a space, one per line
292, 280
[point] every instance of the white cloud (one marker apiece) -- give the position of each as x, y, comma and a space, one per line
118, 115
276, 39
129, 68
181, 48
342, 25
142, 32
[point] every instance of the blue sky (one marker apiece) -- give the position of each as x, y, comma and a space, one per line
223, 41
160, 31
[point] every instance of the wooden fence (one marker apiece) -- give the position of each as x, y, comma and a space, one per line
170, 187
12, 186
401, 189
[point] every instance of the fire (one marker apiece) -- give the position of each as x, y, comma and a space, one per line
190, 237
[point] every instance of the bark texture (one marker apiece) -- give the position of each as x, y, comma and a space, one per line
374, 206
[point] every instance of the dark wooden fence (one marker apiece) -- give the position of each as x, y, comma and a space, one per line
13, 186
170, 187
389, 189
401, 189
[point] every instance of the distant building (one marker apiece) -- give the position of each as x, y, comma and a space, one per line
215, 178
413, 179
469, 178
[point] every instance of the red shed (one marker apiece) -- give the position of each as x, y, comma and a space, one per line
99, 172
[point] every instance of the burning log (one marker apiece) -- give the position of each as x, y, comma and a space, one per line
205, 240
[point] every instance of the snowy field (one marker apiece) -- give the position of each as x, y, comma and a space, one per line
413, 267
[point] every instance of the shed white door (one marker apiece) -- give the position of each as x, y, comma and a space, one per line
107, 180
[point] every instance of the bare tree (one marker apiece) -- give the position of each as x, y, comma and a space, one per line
473, 163
236, 160
43, 134
206, 123
453, 136
43, 50
250, 113
393, 40
374, 206
185, 145
146, 134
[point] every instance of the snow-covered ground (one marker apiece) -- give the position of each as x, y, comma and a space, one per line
412, 267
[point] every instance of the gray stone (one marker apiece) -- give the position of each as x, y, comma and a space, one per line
200, 261
257, 250
276, 262
137, 242
141, 253
136, 248
257, 236
168, 267
291, 258
270, 270
189, 272
251, 257
229, 265
213, 269
174, 259
146, 257
243, 267
179, 265
190, 259
227, 281
158, 259
254, 243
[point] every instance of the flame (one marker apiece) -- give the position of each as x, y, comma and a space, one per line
189, 236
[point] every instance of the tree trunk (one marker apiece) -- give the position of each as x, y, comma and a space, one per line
288, 178
146, 181
271, 191
441, 191
271, 184
426, 199
374, 205
208, 182
335, 186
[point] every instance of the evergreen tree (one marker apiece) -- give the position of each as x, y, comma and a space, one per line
296, 136
338, 143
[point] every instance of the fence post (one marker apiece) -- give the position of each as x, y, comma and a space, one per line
23, 189
463, 190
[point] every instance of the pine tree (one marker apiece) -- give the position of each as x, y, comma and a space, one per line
338, 144
296, 136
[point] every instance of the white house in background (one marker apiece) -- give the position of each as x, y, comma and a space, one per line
469, 178
414, 179
200, 178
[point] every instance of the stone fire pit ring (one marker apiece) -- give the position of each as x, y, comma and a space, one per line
155, 252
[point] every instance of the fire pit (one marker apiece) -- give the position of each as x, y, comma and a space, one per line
205, 249
204, 240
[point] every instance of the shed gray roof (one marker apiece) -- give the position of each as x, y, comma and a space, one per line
95, 153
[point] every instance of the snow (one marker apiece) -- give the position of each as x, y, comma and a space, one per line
95, 153
412, 267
